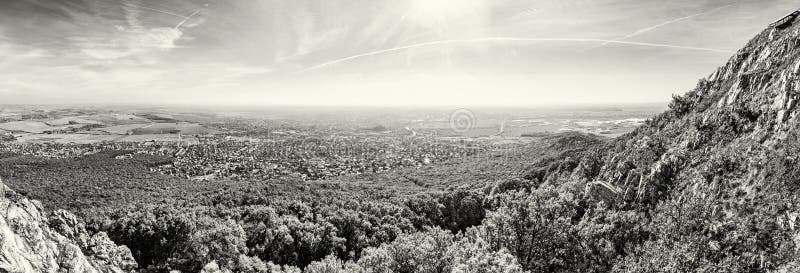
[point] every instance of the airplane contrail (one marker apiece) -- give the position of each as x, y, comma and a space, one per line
186, 19
180, 24
509, 39
654, 27
157, 10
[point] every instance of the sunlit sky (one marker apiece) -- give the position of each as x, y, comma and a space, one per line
368, 52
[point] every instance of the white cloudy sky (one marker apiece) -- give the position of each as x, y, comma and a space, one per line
413, 52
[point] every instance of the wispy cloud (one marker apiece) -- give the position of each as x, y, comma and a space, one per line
128, 4
78, 50
130, 42
661, 25
18, 54
135, 37
511, 39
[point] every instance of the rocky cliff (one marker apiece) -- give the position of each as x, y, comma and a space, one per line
31, 241
717, 176
738, 127
714, 181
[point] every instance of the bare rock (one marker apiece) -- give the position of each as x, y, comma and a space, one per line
602, 191
29, 242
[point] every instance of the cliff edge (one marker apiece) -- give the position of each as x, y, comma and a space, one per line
31, 241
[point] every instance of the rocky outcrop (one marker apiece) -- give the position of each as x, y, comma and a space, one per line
735, 125
32, 242
716, 177
602, 191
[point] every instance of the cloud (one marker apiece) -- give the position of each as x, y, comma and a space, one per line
149, 50
663, 24
130, 42
511, 40
135, 37
14, 55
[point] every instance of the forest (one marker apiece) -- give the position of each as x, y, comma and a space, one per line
709, 185
545, 217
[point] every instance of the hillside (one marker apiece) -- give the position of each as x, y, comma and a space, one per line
33, 242
716, 176
738, 127
710, 185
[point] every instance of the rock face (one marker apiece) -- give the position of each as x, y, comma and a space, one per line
717, 175
602, 191
738, 125
32, 242
733, 141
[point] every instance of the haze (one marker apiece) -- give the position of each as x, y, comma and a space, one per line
367, 52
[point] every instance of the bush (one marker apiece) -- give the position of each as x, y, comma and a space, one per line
538, 229
680, 105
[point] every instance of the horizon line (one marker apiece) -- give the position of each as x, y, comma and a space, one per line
335, 105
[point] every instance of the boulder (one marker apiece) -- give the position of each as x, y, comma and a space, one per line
796, 69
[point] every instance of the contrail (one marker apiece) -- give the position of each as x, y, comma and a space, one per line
186, 19
157, 10
510, 39
651, 28
180, 24
395, 27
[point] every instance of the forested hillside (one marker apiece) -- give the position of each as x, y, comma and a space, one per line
35, 241
711, 185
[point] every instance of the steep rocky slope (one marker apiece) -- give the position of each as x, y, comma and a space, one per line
717, 176
711, 185
739, 127
30, 241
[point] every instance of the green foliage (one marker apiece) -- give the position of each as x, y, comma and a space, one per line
331, 264
680, 105
223, 242
701, 215
289, 240
455, 211
693, 233
423, 252
471, 253
245, 264
606, 235
154, 236
538, 229
438, 251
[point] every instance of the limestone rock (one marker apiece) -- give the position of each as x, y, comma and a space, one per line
602, 191
30, 242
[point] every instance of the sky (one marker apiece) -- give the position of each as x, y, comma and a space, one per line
368, 52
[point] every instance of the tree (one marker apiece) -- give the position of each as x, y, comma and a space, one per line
331, 264
537, 228
423, 252
472, 254
222, 242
